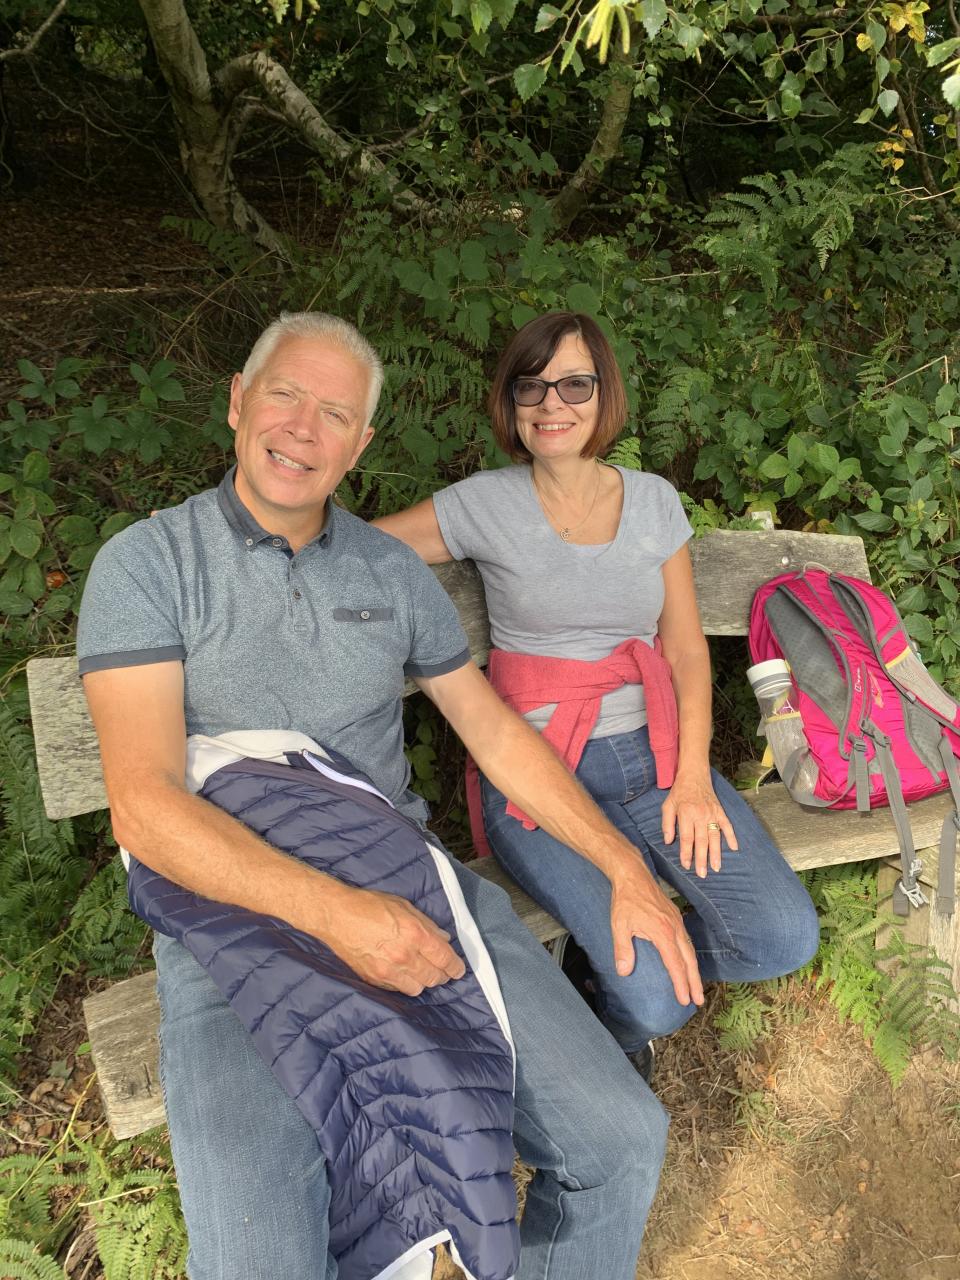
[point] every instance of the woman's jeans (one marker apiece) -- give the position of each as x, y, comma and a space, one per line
753, 919
253, 1182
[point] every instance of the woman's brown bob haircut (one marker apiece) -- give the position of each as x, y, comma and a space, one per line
528, 352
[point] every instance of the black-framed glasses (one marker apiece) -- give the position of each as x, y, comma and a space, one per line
577, 388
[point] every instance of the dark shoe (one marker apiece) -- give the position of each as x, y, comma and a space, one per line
642, 1060
572, 959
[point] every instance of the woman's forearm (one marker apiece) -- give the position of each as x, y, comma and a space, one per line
692, 683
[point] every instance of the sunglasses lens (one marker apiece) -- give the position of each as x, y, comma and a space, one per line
575, 390
528, 391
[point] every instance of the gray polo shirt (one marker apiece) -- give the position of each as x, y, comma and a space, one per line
319, 641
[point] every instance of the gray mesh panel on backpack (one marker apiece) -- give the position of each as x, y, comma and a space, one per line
805, 647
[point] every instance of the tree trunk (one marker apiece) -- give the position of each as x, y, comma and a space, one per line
605, 146
202, 123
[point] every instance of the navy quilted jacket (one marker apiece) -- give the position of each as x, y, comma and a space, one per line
411, 1098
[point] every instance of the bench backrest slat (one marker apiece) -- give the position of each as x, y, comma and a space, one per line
728, 568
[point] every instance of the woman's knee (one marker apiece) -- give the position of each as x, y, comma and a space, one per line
788, 933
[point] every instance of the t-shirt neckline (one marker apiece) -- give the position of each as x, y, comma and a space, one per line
598, 548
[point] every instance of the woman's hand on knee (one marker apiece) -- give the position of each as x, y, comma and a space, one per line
692, 813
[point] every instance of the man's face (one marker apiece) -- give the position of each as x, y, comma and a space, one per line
300, 426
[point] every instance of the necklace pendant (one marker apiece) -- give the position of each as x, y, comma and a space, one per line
565, 534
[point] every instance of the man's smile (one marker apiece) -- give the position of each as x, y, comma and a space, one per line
288, 462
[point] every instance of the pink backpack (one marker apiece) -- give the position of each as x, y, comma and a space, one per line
876, 727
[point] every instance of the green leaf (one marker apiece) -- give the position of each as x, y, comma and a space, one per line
877, 33
113, 524
874, 521
941, 52
169, 389
887, 100
653, 14
817, 415
796, 451
36, 468
951, 89
546, 17
790, 103
689, 37
914, 599
919, 627
34, 583
521, 314
582, 297
479, 311
529, 79
481, 15
775, 466
74, 531
14, 603
946, 399
26, 537
473, 260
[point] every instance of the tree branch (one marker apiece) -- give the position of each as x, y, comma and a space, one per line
304, 119
605, 146
24, 51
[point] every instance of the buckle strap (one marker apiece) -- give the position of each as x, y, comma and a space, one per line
950, 835
909, 862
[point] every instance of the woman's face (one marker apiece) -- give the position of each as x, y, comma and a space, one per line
553, 429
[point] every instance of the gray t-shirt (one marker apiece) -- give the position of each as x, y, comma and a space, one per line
319, 641
556, 598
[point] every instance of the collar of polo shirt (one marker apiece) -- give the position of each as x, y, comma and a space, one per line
253, 533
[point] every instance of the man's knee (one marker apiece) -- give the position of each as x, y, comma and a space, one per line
629, 1138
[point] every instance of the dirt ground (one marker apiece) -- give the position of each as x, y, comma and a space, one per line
797, 1160
801, 1160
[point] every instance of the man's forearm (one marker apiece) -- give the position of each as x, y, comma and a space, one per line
196, 845
521, 765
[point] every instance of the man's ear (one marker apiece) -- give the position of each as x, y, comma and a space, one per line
236, 398
366, 435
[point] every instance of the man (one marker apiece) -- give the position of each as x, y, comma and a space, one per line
262, 605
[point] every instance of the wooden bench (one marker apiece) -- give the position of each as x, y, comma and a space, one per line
728, 567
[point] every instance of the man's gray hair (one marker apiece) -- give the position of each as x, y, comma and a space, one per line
318, 324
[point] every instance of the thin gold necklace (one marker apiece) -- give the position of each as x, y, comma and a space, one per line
567, 529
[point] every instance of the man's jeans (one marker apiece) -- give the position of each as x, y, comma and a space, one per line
753, 919
253, 1182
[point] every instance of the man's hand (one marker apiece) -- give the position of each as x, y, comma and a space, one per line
693, 811
391, 944
640, 909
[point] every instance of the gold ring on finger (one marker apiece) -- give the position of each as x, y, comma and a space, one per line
713, 826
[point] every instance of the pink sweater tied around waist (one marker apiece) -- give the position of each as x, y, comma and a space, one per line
526, 681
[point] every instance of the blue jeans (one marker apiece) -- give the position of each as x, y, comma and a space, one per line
753, 919
252, 1180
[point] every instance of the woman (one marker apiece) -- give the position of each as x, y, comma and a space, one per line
581, 560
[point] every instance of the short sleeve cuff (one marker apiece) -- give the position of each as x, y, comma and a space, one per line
442, 501
426, 670
131, 658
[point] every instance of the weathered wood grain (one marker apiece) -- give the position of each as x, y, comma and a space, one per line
68, 755
821, 838
123, 1022
928, 925
728, 568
